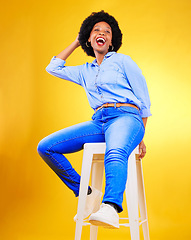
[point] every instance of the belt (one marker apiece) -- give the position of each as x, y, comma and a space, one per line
116, 105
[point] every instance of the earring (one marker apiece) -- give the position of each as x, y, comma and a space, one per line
87, 44
112, 47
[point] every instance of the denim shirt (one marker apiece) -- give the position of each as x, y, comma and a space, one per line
116, 79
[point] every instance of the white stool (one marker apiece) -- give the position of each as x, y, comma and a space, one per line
93, 160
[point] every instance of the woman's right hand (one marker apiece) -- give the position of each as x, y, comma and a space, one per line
69, 50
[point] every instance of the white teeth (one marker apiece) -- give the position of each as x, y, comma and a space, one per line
100, 39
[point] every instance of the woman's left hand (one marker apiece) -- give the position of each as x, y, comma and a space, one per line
142, 150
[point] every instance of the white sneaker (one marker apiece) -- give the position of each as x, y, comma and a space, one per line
106, 217
92, 200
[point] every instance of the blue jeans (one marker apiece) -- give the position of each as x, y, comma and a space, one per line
121, 128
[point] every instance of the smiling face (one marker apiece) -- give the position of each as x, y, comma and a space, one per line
101, 38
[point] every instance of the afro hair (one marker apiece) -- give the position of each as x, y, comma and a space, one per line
88, 25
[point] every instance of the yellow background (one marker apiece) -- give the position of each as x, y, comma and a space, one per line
34, 203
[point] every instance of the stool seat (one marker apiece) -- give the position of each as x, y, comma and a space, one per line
93, 163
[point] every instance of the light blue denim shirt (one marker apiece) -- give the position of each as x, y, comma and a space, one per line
117, 79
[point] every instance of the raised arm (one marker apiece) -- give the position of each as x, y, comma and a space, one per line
57, 66
69, 50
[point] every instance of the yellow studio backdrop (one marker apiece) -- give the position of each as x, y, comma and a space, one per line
34, 203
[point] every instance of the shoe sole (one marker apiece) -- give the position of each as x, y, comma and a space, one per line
103, 224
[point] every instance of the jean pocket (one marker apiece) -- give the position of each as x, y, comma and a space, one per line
127, 109
131, 111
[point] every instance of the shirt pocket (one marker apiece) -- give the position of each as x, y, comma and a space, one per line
109, 75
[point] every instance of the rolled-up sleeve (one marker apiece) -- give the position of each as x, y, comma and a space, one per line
138, 85
57, 68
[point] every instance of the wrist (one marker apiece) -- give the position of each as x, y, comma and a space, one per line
76, 43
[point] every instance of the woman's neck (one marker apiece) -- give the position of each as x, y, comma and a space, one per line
99, 57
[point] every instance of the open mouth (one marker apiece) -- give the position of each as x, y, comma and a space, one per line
100, 41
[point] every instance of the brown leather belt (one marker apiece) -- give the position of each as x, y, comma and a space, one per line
116, 105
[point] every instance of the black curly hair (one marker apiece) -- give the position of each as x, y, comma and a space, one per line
89, 23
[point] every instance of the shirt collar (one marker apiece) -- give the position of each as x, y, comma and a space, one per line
109, 54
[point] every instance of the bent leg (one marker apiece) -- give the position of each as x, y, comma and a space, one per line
122, 135
68, 140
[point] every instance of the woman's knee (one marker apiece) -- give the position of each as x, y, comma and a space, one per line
116, 155
42, 147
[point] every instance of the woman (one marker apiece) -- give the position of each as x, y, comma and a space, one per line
117, 91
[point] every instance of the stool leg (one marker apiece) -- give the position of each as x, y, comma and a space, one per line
142, 201
132, 198
96, 181
97, 175
93, 232
84, 182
